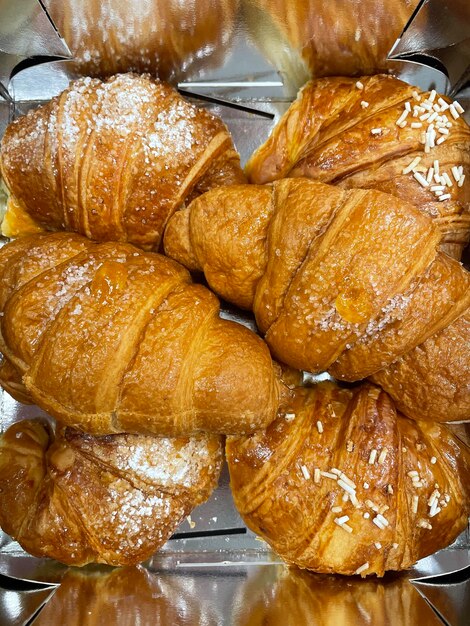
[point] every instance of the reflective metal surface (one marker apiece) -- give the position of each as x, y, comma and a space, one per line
452, 601
282, 597
5, 108
17, 607
171, 39
232, 49
250, 57
255, 596
315, 38
25, 31
453, 559
233, 41
134, 596
439, 32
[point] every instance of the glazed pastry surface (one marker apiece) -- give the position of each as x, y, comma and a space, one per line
112, 160
110, 339
349, 281
114, 499
360, 134
342, 483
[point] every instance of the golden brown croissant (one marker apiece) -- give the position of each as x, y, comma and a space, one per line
114, 499
169, 39
111, 339
113, 160
361, 134
342, 483
344, 280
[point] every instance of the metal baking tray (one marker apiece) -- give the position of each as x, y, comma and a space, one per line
216, 572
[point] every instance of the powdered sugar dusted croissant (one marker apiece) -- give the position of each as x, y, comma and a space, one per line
111, 339
114, 499
379, 133
348, 281
342, 483
112, 160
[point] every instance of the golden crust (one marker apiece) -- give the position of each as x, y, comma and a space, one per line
110, 339
113, 160
326, 135
114, 500
281, 498
344, 280
441, 363
427, 306
12, 382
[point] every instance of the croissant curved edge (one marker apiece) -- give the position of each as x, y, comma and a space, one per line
348, 281
114, 499
341, 483
112, 160
107, 338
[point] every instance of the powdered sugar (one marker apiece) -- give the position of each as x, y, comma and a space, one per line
74, 277
332, 321
394, 309
161, 461
151, 484
129, 128
136, 516
173, 132
77, 310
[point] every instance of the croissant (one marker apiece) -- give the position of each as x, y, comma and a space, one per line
110, 339
342, 483
170, 39
377, 133
348, 281
112, 160
114, 499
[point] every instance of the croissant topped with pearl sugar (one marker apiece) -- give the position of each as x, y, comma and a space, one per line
113, 499
347, 281
111, 339
341, 483
112, 160
377, 132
